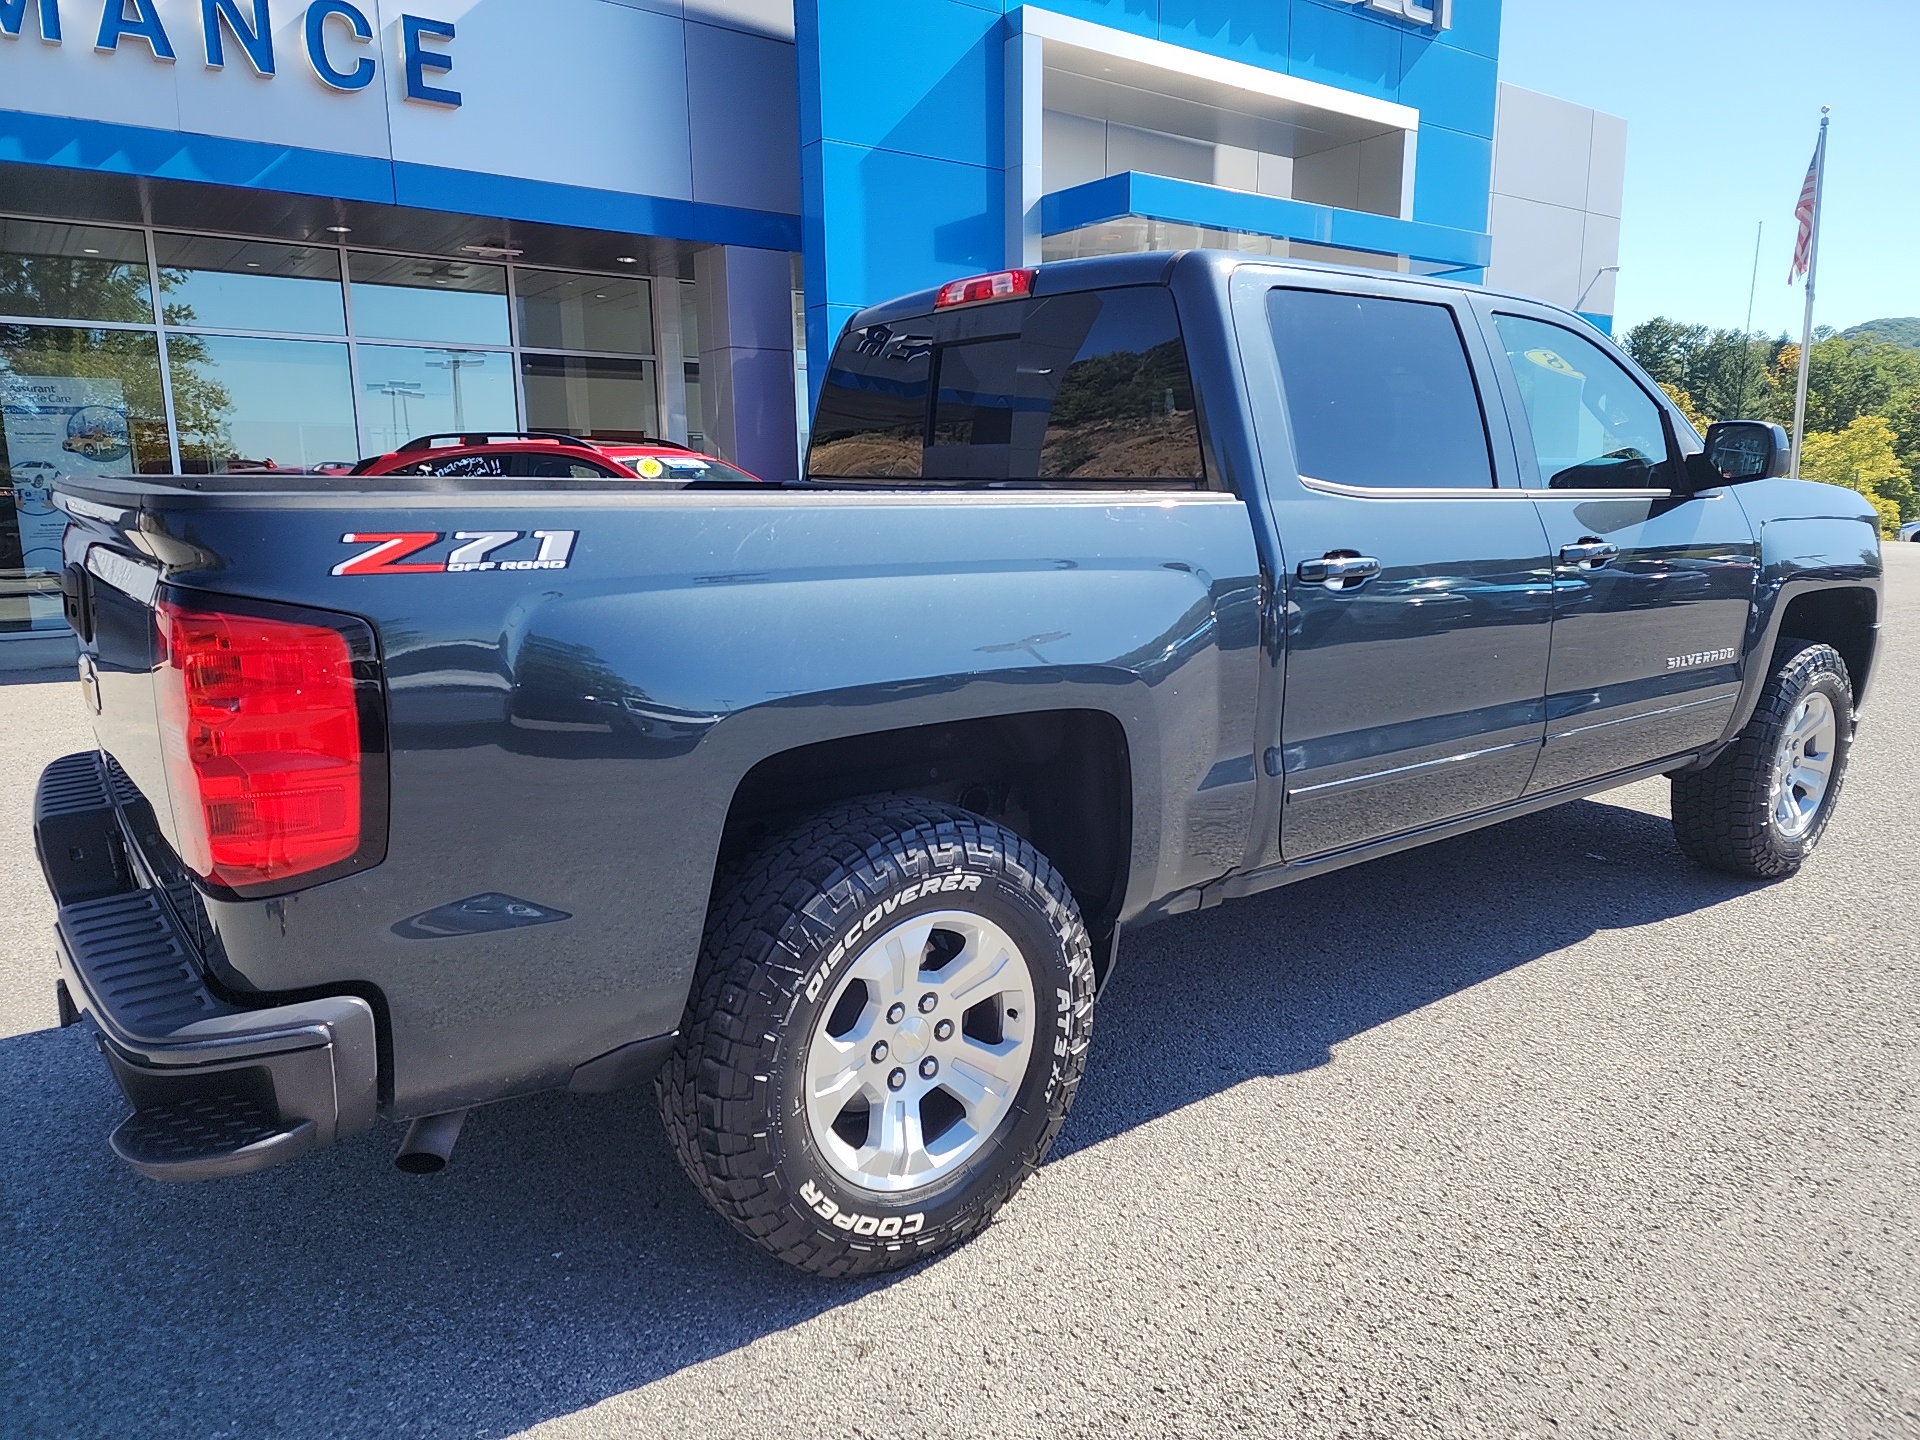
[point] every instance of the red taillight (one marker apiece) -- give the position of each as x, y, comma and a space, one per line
1007, 285
261, 726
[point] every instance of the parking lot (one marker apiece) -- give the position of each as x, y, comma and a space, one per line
1537, 1132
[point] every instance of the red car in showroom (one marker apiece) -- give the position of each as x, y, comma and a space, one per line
550, 455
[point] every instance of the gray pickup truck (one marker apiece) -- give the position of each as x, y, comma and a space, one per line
1115, 589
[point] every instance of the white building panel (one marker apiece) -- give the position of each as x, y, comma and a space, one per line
1558, 174
1607, 170
1541, 148
1537, 249
622, 110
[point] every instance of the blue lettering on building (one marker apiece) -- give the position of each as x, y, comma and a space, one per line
249, 24
256, 39
413, 33
318, 13
115, 22
12, 12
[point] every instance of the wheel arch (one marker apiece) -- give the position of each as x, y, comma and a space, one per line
1847, 618
1062, 779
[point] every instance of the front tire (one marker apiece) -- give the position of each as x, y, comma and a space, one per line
1761, 807
887, 1026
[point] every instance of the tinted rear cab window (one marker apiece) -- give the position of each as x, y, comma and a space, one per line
1089, 387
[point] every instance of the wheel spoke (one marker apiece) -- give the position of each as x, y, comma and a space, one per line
974, 973
837, 1080
996, 1067
903, 950
894, 1145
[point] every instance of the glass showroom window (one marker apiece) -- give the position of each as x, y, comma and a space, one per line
593, 397
243, 403
80, 394
249, 402
447, 302
73, 402
207, 283
73, 272
453, 383
289, 357
601, 395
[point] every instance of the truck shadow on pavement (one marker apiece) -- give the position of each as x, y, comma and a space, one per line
563, 1259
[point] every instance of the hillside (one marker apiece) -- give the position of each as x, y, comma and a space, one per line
1901, 332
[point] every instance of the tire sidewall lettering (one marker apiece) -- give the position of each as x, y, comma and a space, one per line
954, 882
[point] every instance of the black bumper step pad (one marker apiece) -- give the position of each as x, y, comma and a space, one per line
169, 1139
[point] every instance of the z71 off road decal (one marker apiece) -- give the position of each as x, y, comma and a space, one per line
391, 552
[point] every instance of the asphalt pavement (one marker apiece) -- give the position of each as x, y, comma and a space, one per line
1537, 1132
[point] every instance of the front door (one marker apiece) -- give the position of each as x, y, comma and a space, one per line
1418, 605
1653, 586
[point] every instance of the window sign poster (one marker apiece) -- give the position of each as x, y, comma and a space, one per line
57, 425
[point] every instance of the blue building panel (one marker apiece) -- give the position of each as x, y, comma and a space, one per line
1345, 47
924, 82
1476, 27
1252, 34
1453, 178
1186, 202
1452, 88
1137, 17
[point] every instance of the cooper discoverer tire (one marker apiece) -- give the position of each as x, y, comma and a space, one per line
887, 1026
1761, 807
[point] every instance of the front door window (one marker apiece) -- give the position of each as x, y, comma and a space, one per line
1593, 427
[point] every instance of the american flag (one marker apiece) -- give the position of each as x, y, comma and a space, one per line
1803, 212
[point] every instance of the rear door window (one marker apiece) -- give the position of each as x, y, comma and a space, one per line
1379, 392
1085, 388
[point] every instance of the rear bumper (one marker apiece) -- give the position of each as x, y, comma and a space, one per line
217, 1088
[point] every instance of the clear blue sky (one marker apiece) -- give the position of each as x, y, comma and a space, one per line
1722, 100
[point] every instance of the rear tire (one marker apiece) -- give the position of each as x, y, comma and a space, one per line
1761, 807
887, 1026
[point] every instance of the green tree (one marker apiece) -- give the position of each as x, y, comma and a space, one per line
1846, 379
1862, 457
1725, 372
1687, 407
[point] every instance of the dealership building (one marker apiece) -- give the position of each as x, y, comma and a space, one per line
241, 234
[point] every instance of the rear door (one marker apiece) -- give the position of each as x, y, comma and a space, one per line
1418, 606
1652, 585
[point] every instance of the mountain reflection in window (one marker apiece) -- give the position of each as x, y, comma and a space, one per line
1088, 387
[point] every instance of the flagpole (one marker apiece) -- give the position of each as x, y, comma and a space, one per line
1813, 269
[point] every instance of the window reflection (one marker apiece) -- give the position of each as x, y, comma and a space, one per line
73, 272
407, 392
559, 311
245, 285
397, 297
594, 399
73, 402
261, 404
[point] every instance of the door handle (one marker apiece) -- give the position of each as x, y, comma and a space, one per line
1339, 570
1590, 553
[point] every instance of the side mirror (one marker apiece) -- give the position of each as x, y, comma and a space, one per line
1740, 450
